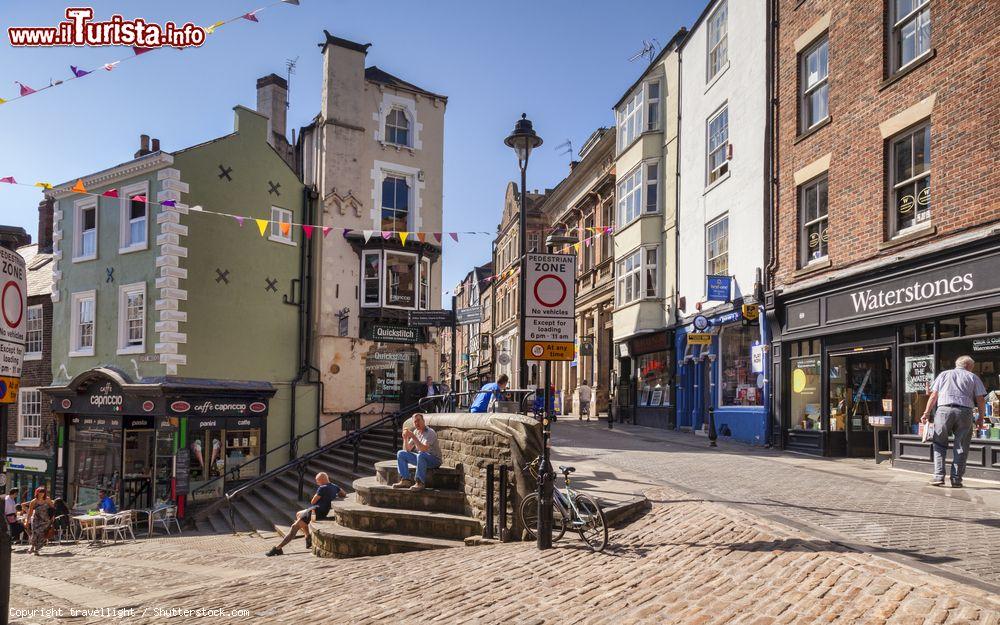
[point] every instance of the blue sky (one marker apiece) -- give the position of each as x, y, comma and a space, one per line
562, 62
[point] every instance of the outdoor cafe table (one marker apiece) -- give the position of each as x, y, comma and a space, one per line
90, 523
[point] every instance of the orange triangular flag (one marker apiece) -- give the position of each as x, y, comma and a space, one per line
422, 236
402, 237
78, 187
285, 228
262, 225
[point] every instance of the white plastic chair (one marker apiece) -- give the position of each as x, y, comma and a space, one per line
119, 525
164, 516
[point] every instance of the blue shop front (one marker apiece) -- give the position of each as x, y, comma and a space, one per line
724, 369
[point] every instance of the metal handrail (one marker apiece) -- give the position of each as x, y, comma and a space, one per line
294, 442
354, 437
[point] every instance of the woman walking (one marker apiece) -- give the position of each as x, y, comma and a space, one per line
39, 520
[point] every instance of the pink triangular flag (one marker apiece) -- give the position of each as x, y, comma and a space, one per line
140, 50
387, 234
25, 89
437, 235
8, 180
454, 235
250, 16
110, 193
239, 220
138, 198
309, 232
327, 229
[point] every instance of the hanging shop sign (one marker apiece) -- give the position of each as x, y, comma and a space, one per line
385, 333
550, 305
31, 465
431, 318
757, 358
13, 310
465, 316
699, 339
718, 288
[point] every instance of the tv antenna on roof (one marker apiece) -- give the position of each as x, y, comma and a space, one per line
649, 48
567, 148
290, 69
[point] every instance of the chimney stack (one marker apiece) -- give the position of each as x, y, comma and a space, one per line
143, 146
272, 102
573, 164
13, 237
46, 209
156, 145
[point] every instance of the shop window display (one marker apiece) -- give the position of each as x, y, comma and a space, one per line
386, 368
97, 462
806, 392
207, 463
653, 379
739, 384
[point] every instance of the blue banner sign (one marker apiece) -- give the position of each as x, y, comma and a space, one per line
718, 288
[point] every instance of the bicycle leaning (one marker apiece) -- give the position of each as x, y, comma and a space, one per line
570, 508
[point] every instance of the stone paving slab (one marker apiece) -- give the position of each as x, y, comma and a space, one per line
894, 513
685, 561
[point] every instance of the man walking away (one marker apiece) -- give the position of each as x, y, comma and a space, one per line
584, 394
325, 494
10, 514
954, 393
488, 393
421, 449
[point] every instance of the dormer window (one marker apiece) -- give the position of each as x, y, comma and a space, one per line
397, 127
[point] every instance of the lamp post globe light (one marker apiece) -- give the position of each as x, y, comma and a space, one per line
522, 140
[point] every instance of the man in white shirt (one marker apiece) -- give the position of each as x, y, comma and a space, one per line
420, 448
954, 393
15, 527
584, 393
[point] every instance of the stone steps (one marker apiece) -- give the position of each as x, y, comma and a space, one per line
332, 540
445, 478
373, 493
351, 514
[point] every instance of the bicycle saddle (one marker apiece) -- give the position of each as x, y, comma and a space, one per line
567, 470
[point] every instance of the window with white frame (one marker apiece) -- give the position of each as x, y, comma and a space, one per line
371, 278
910, 34
534, 241
34, 328
281, 225
29, 416
718, 145
589, 248
813, 238
132, 318
82, 329
607, 221
425, 283
636, 276
630, 120
652, 185
395, 203
85, 245
630, 196
134, 218
718, 40
910, 179
653, 105
717, 247
397, 127
815, 87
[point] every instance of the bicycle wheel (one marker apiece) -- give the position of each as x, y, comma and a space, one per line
593, 529
529, 517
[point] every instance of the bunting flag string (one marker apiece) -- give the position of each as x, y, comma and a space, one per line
285, 226
137, 51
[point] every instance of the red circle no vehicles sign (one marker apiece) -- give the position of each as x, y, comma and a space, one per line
550, 290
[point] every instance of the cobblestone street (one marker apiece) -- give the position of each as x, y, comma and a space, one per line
686, 561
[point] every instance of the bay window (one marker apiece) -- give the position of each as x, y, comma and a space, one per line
636, 276
425, 283
652, 184
630, 120
370, 278
395, 279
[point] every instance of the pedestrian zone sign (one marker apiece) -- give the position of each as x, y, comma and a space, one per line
550, 306
13, 310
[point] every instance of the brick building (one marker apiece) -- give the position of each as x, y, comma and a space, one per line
875, 287
31, 427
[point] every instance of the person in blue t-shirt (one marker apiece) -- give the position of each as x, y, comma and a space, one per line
482, 401
326, 492
107, 504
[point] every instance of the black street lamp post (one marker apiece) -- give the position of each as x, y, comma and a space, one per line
522, 140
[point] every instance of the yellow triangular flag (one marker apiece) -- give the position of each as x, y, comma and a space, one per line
211, 29
43, 185
576, 247
2, 100
262, 225
78, 187
402, 237
285, 228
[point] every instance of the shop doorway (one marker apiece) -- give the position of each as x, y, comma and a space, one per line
137, 477
860, 387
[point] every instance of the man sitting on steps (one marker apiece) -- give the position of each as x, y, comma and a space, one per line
325, 494
420, 448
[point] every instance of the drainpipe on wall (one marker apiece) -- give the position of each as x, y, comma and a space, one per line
770, 212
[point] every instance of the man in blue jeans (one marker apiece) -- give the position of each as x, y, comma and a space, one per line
420, 448
954, 393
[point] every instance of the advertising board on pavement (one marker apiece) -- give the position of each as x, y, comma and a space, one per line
550, 306
13, 310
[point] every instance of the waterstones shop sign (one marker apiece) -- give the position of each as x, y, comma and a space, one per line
974, 278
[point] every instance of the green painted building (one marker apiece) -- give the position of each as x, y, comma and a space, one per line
177, 329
